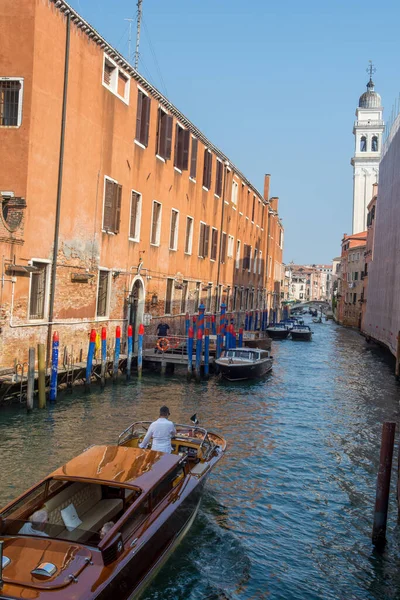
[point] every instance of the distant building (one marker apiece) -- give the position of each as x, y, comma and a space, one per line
368, 130
309, 282
369, 251
350, 298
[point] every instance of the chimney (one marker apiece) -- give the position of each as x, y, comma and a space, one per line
267, 178
274, 201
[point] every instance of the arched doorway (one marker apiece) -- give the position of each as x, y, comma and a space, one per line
136, 307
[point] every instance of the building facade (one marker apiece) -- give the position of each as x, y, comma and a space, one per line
368, 130
350, 296
115, 207
369, 252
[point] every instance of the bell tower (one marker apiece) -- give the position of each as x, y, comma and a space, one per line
368, 130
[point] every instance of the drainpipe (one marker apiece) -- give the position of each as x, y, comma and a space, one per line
226, 165
59, 191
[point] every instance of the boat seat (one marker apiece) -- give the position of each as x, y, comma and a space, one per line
91, 508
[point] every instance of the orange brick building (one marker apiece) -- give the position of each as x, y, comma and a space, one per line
114, 205
350, 291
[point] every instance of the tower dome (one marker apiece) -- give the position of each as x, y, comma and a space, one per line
370, 98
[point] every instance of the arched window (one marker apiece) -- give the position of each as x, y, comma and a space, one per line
363, 144
374, 145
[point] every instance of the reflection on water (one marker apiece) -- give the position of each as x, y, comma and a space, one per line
287, 514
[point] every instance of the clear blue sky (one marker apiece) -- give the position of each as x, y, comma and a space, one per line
275, 86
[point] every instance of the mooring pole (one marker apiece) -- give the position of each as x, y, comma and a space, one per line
194, 324
199, 344
241, 337
246, 321
251, 320
397, 368
233, 337
187, 324
190, 353
383, 484
256, 321
89, 362
130, 353
213, 325
54, 367
117, 351
207, 353
140, 350
31, 380
42, 375
103, 357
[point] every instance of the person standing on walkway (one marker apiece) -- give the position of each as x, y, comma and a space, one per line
160, 432
162, 331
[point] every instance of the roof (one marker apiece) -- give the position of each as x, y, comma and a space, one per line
370, 98
119, 464
93, 35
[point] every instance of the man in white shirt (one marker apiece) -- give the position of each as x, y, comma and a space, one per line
36, 524
160, 432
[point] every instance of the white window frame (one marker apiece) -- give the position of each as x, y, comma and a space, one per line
230, 247
190, 242
158, 232
113, 87
234, 195
136, 238
176, 234
20, 101
237, 255
107, 315
46, 292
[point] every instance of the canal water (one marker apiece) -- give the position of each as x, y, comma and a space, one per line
287, 514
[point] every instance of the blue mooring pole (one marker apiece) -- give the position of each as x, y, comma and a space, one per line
103, 357
187, 324
256, 321
117, 351
130, 353
222, 319
251, 321
89, 363
219, 342
246, 321
213, 325
199, 344
190, 353
54, 367
207, 353
140, 350
241, 337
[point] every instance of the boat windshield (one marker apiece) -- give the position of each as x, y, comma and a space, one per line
69, 510
242, 354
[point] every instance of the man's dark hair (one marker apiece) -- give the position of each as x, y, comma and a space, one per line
164, 411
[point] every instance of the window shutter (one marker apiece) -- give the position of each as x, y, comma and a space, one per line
193, 161
186, 146
177, 161
117, 209
206, 239
161, 134
139, 116
134, 208
201, 240
168, 141
205, 170
108, 206
223, 248
209, 170
174, 215
146, 120
218, 179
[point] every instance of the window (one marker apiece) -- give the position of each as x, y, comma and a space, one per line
173, 235
253, 210
223, 248
235, 188
103, 293
38, 291
189, 235
255, 261
136, 214
164, 134
184, 295
10, 102
281, 238
218, 179
115, 79
112, 206
182, 141
156, 224
168, 296
237, 265
356, 276
207, 169
246, 257
230, 246
354, 298
142, 118
204, 240
214, 243
259, 262
363, 144
374, 144
193, 159
235, 299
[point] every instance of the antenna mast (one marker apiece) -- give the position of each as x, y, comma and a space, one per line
129, 38
139, 23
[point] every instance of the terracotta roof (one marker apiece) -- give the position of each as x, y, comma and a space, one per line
119, 464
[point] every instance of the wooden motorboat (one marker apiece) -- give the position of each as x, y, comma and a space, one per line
317, 320
301, 332
148, 499
277, 331
238, 364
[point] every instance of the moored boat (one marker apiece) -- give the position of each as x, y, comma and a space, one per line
277, 331
238, 364
113, 516
301, 332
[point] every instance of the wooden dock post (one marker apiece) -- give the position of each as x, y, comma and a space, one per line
31, 380
163, 366
199, 344
103, 357
42, 376
397, 368
190, 353
130, 353
207, 353
383, 485
54, 367
117, 352
89, 362
140, 350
